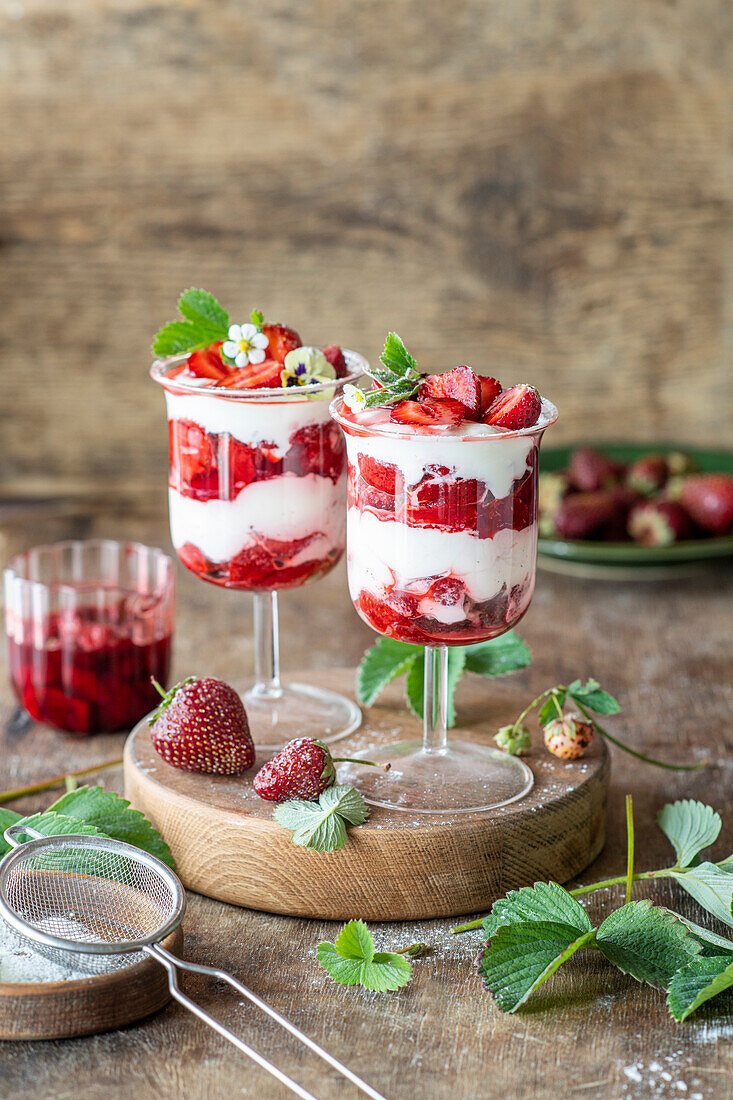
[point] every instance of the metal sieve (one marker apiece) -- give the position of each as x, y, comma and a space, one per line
92, 903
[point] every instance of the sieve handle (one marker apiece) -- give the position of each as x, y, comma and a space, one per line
19, 829
171, 961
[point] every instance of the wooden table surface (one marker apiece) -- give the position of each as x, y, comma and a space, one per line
591, 1032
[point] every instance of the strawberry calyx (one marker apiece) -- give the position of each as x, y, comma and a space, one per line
167, 696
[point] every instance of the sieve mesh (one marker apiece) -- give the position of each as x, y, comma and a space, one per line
90, 894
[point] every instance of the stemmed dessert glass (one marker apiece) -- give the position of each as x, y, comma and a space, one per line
256, 501
441, 552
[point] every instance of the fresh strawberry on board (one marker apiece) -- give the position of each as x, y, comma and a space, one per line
303, 769
429, 414
335, 357
459, 384
515, 408
282, 340
201, 726
709, 500
490, 390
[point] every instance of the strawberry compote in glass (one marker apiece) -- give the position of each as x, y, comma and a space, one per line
441, 552
257, 481
88, 624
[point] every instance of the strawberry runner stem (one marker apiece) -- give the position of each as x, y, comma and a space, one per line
57, 781
629, 847
353, 760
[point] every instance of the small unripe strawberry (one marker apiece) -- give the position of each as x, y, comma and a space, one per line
568, 737
515, 740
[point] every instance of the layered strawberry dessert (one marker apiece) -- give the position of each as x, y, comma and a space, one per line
257, 467
442, 501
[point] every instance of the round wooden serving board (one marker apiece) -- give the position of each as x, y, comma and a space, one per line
397, 866
101, 1002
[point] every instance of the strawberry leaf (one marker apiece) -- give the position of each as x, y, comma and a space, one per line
592, 696
321, 825
202, 308
205, 321
711, 888
507, 653
545, 901
381, 664
697, 982
523, 956
114, 817
711, 942
689, 826
7, 818
646, 941
352, 960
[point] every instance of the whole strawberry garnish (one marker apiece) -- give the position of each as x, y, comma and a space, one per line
568, 737
303, 769
515, 408
709, 500
458, 384
659, 523
282, 340
201, 726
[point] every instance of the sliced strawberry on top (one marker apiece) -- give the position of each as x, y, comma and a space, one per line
446, 413
282, 340
459, 384
255, 376
207, 363
490, 390
335, 357
518, 407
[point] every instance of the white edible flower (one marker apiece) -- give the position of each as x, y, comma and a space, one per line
354, 398
306, 365
246, 344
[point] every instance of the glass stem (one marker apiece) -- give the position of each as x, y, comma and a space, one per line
435, 700
267, 647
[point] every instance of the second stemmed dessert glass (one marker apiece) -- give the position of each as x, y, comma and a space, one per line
441, 552
256, 498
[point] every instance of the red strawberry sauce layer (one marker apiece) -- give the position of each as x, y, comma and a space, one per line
87, 676
445, 502
208, 466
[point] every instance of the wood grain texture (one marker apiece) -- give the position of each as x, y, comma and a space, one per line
397, 866
102, 1002
663, 649
543, 190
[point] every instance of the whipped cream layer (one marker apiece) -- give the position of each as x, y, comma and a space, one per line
470, 451
284, 508
384, 554
251, 422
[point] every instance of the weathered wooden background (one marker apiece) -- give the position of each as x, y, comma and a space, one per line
543, 189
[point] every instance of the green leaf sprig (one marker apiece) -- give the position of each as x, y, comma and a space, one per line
204, 322
387, 659
398, 377
590, 699
321, 825
93, 811
534, 930
352, 960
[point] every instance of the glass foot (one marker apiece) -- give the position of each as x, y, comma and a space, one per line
462, 779
298, 710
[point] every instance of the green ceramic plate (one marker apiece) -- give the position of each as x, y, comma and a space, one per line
626, 560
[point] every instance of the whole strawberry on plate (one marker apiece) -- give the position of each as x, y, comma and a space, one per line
201, 726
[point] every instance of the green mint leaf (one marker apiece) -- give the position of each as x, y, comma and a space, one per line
321, 825
396, 358
507, 653
113, 816
545, 901
711, 888
415, 684
256, 317
182, 337
203, 309
711, 942
352, 960
391, 392
381, 664
646, 941
591, 695
689, 826
523, 956
697, 982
